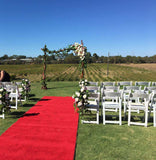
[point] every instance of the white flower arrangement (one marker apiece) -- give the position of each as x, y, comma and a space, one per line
80, 51
25, 88
83, 83
81, 96
4, 100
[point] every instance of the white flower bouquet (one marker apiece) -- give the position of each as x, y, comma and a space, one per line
83, 83
81, 99
4, 100
25, 87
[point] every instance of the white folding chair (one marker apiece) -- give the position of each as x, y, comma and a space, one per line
112, 102
93, 106
138, 101
13, 95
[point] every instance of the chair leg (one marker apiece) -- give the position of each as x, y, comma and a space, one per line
97, 116
104, 116
154, 116
125, 110
3, 114
16, 101
129, 116
120, 116
146, 117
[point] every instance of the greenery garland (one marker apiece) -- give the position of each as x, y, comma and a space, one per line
79, 49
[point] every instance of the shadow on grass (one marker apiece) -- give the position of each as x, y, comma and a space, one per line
62, 87
31, 95
45, 99
30, 114
27, 105
16, 114
34, 99
19, 114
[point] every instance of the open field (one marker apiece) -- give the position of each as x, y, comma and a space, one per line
95, 142
94, 72
147, 66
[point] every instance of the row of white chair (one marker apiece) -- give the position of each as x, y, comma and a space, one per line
124, 83
135, 100
112, 98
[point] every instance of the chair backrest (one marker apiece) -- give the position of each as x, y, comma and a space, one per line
18, 83
6, 83
140, 97
93, 83
152, 88
124, 83
11, 88
142, 83
107, 83
153, 83
131, 88
93, 88
111, 88
94, 96
112, 96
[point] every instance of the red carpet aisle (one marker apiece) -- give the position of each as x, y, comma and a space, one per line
46, 132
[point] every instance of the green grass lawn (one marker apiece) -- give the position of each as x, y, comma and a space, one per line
95, 142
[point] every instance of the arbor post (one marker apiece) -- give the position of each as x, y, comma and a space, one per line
44, 85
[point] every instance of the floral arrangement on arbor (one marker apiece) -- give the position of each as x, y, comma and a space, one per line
4, 100
80, 50
25, 88
81, 97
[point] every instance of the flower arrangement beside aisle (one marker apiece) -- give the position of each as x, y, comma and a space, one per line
4, 100
83, 83
81, 97
25, 88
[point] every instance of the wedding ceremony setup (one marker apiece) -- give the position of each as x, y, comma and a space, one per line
49, 129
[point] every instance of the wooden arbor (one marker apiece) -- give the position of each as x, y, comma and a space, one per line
79, 49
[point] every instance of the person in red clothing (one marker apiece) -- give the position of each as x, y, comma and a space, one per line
4, 76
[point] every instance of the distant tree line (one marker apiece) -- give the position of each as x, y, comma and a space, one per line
71, 58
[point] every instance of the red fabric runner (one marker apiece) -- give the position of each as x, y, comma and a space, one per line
46, 132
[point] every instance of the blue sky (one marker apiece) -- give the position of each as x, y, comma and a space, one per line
121, 27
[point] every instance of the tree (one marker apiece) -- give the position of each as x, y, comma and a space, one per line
4, 57
95, 58
88, 57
